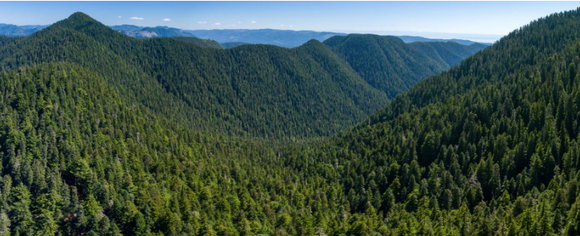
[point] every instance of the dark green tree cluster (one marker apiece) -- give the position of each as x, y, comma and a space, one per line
392, 66
448, 54
79, 158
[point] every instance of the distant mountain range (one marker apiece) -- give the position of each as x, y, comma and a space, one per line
412, 39
151, 32
228, 38
282, 38
24, 30
290, 38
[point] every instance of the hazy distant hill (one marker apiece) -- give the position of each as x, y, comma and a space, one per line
291, 38
151, 32
282, 38
411, 39
25, 30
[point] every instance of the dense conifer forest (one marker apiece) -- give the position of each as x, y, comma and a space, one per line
249, 91
104, 134
392, 66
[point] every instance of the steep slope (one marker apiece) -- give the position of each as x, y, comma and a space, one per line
254, 90
392, 66
488, 147
270, 87
78, 158
447, 54
412, 39
385, 62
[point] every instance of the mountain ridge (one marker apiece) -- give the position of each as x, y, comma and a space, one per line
392, 66
208, 84
208, 81
222, 35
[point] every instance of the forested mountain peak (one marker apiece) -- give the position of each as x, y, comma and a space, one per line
313, 42
80, 16
336, 40
82, 22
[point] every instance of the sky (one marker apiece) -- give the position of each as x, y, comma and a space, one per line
486, 21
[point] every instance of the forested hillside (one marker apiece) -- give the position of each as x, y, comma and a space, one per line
105, 134
392, 66
254, 90
489, 147
447, 54
249, 91
79, 159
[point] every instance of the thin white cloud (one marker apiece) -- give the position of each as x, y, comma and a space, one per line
217, 23
202, 22
253, 22
290, 26
136, 18
119, 17
166, 19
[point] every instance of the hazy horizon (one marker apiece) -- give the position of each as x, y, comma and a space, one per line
476, 21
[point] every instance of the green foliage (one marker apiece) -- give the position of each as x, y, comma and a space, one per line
488, 147
207, 43
249, 91
392, 66
448, 54
106, 142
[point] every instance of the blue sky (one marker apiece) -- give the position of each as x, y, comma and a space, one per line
462, 19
